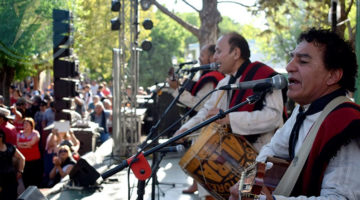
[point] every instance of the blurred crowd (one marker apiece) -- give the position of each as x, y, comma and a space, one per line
32, 150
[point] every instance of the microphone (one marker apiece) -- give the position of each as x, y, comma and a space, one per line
211, 66
277, 82
178, 148
188, 63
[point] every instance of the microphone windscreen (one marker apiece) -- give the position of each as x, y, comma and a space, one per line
279, 81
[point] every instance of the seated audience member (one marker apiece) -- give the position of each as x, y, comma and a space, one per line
9, 173
28, 144
63, 164
322, 69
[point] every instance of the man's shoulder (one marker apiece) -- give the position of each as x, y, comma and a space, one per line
347, 108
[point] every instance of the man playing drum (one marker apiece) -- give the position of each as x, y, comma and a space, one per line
322, 72
206, 83
257, 122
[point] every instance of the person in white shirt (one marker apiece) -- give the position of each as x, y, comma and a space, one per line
206, 83
257, 122
323, 67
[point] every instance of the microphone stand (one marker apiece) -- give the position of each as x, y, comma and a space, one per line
220, 115
150, 135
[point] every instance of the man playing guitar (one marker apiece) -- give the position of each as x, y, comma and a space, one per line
322, 70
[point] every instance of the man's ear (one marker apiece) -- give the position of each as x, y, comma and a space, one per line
335, 76
237, 53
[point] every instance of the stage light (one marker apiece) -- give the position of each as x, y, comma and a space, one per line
115, 24
147, 24
115, 5
146, 45
145, 4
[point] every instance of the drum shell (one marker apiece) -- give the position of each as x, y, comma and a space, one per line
217, 159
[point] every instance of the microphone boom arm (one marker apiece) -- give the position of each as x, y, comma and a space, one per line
250, 100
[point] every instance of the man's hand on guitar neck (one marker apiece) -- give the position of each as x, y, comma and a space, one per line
215, 111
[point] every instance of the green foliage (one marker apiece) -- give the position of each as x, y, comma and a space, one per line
228, 25
287, 19
168, 40
26, 34
93, 37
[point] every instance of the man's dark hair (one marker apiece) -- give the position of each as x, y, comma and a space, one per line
338, 54
211, 49
237, 40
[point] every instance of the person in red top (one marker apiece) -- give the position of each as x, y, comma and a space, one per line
7, 127
28, 144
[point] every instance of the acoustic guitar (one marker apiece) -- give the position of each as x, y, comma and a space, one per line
262, 178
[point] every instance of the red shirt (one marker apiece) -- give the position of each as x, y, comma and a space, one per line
32, 153
10, 132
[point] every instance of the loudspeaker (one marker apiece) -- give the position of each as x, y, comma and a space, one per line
63, 104
83, 174
32, 193
64, 68
87, 138
65, 88
59, 115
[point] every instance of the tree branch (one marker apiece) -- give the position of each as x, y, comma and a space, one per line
349, 8
241, 4
183, 23
191, 6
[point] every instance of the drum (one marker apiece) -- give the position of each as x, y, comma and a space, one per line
217, 159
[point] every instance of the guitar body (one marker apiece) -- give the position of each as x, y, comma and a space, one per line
256, 179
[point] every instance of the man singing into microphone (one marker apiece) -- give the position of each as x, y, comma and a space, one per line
325, 124
256, 122
206, 83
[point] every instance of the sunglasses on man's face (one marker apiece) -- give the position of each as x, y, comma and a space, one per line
63, 151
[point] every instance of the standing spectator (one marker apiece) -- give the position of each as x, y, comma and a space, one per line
100, 116
49, 115
63, 164
91, 107
18, 122
88, 95
99, 92
94, 87
80, 106
108, 107
39, 116
34, 107
7, 127
105, 90
2, 101
9, 174
16, 94
28, 144
107, 104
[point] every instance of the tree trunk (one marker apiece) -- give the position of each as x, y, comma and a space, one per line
6, 75
210, 18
